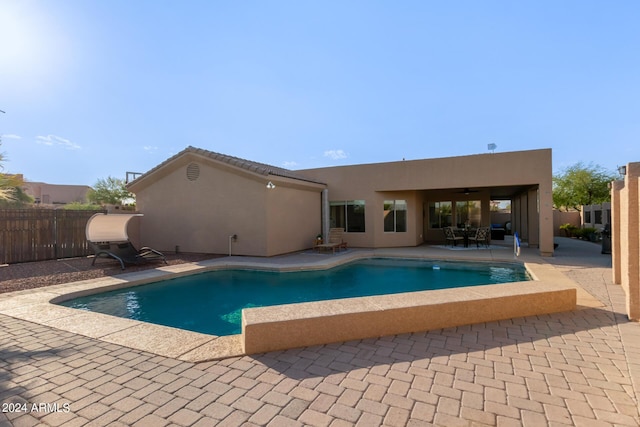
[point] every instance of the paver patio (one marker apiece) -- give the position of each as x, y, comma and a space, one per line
578, 368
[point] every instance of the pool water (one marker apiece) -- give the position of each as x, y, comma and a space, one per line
212, 302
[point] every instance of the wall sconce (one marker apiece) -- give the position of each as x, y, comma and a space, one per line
622, 170
271, 185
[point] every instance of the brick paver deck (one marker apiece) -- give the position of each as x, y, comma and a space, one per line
578, 368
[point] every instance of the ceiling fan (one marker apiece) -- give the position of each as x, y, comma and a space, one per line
467, 191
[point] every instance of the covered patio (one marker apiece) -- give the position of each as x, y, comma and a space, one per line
408, 203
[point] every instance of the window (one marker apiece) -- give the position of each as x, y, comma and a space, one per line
395, 216
347, 214
587, 217
440, 214
598, 215
468, 213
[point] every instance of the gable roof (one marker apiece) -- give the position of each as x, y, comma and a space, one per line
248, 165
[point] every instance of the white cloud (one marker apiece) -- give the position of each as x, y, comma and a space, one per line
10, 136
335, 154
54, 140
290, 164
150, 148
42, 140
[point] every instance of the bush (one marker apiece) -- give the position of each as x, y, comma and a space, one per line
578, 233
77, 206
587, 233
591, 234
570, 230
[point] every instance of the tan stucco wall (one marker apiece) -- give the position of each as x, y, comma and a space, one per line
616, 216
625, 218
314, 323
414, 179
200, 215
293, 219
561, 218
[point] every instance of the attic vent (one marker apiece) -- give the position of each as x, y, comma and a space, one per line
193, 171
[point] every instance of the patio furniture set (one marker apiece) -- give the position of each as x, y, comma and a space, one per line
480, 235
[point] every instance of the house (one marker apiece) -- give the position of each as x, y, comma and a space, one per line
56, 194
198, 200
596, 216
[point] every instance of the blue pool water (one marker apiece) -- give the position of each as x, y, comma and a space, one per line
212, 302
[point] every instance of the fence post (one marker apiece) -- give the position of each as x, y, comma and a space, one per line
55, 233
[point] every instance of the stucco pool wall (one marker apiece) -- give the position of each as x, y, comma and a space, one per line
305, 324
298, 325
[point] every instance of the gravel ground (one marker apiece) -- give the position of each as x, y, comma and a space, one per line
29, 275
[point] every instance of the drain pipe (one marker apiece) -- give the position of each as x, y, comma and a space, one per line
233, 238
325, 215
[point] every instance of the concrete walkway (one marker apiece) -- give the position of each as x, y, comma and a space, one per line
579, 368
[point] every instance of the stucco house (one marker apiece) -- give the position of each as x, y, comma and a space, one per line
56, 194
198, 200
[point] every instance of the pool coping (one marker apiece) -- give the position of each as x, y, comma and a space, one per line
39, 305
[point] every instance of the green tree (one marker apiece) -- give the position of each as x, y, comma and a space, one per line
16, 198
110, 191
581, 185
11, 185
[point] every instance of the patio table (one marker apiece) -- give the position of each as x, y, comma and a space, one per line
466, 232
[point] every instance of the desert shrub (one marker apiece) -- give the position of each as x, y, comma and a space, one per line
570, 230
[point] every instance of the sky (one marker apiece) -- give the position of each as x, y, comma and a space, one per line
98, 88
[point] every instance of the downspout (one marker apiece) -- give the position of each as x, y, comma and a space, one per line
232, 238
325, 215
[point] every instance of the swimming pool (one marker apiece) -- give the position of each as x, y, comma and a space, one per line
212, 302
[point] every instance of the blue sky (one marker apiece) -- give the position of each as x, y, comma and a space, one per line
97, 88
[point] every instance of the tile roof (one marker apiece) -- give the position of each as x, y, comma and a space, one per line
255, 167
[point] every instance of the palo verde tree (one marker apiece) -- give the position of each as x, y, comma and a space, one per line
581, 184
111, 191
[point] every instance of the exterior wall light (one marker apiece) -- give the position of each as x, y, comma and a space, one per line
271, 185
622, 170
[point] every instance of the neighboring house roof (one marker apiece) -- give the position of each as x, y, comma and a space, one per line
248, 165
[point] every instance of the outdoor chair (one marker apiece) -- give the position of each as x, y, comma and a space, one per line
481, 236
125, 253
450, 236
335, 241
107, 235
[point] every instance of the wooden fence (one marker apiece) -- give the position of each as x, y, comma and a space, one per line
42, 234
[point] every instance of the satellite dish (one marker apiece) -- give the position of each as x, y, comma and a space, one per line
491, 147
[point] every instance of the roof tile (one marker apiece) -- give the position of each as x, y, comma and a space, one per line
256, 167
